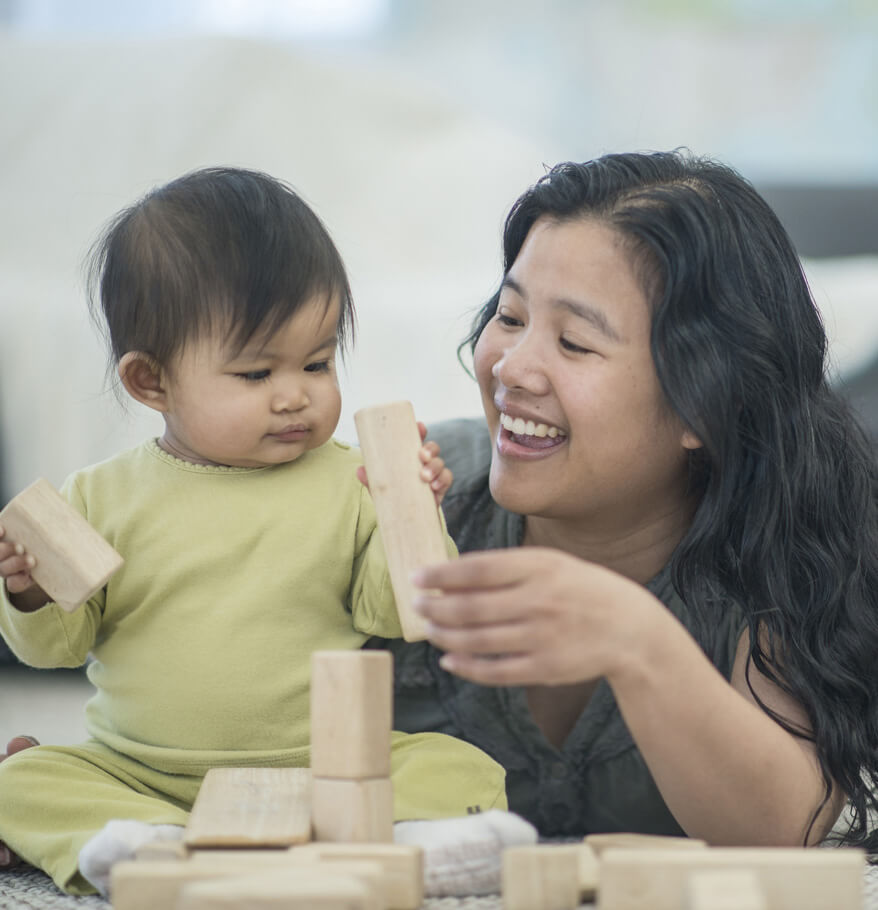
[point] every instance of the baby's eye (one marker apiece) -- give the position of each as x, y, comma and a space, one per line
574, 348
254, 375
319, 366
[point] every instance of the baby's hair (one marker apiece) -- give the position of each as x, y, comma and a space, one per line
219, 249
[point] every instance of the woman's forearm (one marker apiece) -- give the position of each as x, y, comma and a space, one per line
728, 772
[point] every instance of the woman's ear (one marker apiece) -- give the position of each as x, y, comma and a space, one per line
144, 380
691, 441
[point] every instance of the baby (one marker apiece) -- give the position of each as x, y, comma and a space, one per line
249, 542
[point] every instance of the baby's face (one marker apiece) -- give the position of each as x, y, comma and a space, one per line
265, 405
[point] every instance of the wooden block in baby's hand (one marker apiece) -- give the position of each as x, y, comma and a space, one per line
73, 561
251, 807
351, 713
408, 517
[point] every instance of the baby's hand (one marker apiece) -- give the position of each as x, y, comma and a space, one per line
434, 471
15, 565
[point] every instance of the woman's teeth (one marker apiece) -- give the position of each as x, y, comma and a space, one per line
521, 427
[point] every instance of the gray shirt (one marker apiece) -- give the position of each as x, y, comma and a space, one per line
598, 781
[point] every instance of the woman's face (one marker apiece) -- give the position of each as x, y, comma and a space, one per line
581, 429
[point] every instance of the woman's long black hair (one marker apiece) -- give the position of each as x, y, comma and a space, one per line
787, 524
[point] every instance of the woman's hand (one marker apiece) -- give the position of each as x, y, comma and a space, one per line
8, 859
533, 616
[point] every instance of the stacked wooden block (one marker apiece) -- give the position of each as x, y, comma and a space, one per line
318, 837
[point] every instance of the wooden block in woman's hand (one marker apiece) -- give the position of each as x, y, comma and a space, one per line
73, 561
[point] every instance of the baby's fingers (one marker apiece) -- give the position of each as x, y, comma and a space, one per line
15, 567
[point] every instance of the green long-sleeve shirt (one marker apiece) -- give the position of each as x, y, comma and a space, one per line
201, 642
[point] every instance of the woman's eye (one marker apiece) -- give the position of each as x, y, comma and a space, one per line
320, 366
507, 320
254, 375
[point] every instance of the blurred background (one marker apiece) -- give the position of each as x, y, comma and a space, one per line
411, 126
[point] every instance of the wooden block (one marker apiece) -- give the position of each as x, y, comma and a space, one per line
405, 506
162, 851
541, 877
791, 878
725, 890
402, 864
351, 713
352, 811
589, 872
73, 561
291, 889
624, 839
251, 807
137, 885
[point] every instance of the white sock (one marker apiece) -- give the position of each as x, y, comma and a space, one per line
118, 840
463, 856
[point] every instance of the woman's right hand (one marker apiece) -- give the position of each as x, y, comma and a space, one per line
8, 859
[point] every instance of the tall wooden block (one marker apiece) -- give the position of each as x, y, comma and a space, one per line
352, 811
402, 865
541, 877
589, 872
293, 889
351, 713
405, 506
631, 841
791, 878
73, 561
725, 890
251, 807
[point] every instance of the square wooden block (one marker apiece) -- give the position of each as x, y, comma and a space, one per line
541, 877
352, 811
351, 714
73, 561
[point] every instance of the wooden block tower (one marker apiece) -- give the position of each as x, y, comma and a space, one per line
351, 718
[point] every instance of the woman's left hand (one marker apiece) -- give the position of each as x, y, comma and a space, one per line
533, 616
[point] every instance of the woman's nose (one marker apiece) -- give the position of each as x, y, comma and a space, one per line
521, 366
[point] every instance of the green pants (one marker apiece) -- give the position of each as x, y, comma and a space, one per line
53, 799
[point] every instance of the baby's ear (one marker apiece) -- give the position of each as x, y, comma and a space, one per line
143, 379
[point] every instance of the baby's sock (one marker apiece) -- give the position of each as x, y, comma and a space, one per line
463, 855
119, 840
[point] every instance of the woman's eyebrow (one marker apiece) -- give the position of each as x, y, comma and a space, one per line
591, 314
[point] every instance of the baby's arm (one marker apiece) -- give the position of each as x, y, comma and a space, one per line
15, 569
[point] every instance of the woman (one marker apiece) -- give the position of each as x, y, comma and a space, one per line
685, 642
689, 636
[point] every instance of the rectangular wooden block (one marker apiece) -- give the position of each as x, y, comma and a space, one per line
404, 505
791, 878
541, 877
138, 885
402, 865
73, 561
351, 713
589, 872
251, 807
162, 851
631, 841
352, 811
725, 890
292, 889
